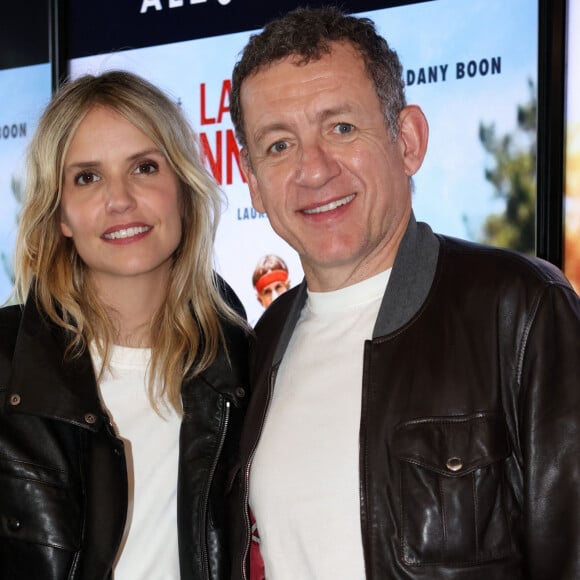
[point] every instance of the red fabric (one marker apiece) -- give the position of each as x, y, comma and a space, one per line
257, 571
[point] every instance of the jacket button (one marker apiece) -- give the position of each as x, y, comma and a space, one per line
15, 400
240, 392
14, 524
90, 418
454, 464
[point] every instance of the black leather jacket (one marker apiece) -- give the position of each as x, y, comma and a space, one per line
470, 426
63, 477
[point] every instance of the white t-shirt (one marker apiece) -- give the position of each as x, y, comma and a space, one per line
149, 548
304, 481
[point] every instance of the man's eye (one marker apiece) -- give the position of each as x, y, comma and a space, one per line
279, 147
344, 128
147, 167
86, 177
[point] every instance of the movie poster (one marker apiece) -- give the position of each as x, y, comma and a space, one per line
467, 64
25, 92
572, 149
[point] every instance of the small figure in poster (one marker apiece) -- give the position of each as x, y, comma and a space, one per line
270, 279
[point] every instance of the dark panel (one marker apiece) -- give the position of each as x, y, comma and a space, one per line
551, 63
24, 32
109, 25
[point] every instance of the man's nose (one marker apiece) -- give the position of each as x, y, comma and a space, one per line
316, 164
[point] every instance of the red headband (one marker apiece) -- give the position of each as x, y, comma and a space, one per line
269, 277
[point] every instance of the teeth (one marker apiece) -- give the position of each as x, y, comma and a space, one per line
330, 206
127, 233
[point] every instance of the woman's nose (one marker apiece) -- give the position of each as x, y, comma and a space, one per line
119, 197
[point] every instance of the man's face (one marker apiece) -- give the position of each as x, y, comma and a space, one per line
324, 167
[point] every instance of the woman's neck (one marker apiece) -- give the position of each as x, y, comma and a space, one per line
132, 306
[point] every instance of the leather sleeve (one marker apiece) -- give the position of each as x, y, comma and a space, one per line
550, 436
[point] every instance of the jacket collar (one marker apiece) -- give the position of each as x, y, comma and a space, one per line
43, 383
411, 278
228, 373
409, 284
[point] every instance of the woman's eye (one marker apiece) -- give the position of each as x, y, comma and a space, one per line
85, 178
147, 167
343, 128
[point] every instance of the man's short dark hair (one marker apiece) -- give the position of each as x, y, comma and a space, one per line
308, 34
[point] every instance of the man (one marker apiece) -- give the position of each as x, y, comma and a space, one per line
270, 279
416, 406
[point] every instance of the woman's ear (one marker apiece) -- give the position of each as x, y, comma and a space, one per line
413, 137
65, 230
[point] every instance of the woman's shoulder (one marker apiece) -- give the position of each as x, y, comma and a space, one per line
9, 324
10, 319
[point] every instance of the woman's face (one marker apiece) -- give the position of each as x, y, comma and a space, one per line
120, 201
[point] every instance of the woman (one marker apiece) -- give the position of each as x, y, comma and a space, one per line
122, 377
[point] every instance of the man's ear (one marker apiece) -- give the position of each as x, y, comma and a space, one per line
413, 137
252, 181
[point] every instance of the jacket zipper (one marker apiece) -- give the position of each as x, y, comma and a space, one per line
222, 438
364, 517
247, 472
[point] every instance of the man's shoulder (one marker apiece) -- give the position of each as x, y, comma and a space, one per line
495, 263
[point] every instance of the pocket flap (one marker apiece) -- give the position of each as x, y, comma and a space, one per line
452, 446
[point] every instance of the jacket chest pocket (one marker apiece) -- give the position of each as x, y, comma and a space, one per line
453, 496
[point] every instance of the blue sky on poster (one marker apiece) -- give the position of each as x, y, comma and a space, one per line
451, 192
23, 94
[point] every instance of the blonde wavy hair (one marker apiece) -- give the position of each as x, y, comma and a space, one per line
186, 332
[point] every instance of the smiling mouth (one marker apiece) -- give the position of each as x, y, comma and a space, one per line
127, 233
330, 206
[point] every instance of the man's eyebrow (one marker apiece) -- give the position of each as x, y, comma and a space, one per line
270, 128
333, 112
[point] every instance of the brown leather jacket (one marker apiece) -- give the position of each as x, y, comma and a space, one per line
470, 427
63, 476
